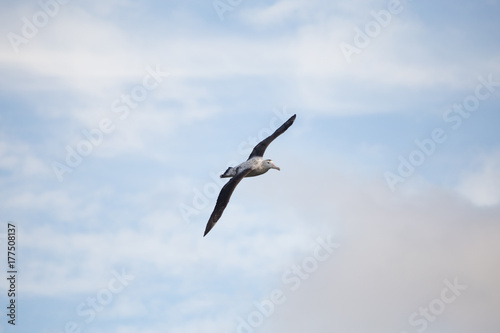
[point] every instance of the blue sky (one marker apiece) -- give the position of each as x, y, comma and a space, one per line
117, 117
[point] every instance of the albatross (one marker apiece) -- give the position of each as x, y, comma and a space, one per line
255, 165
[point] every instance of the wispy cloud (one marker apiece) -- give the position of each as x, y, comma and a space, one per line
119, 209
481, 186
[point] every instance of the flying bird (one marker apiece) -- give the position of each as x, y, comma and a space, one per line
255, 165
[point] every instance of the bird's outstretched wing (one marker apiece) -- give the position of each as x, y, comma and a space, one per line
223, 198
261, 147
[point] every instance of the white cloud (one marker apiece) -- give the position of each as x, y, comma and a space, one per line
395, 253
482, 186
75, 50
274, 14
396, 248
95, 57
20, 159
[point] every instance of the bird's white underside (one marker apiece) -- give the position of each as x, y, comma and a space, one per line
255, 163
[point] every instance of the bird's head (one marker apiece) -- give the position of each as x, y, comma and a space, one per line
269, 164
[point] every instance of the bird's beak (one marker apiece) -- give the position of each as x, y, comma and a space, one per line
276, 167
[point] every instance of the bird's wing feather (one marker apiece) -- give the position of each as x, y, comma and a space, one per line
223, 198
260, 148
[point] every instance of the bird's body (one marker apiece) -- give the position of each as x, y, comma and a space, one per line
255, 165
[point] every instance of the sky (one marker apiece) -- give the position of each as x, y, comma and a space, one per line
117, 118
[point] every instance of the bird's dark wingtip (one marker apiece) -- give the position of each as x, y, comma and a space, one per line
208, 228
